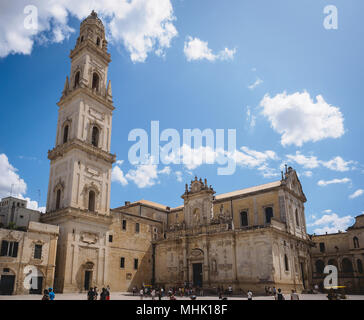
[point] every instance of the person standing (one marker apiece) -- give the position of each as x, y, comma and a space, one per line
90, 294
153, 294
275, 292
103, 294
250, 295
294, 295
280, 295
230, 289
95, 293
45, 295
108, 290
51, 294
141, 293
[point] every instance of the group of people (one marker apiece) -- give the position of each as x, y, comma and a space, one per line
92, 293
48, 294
172, 293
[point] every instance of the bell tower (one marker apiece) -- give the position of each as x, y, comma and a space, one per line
80, 172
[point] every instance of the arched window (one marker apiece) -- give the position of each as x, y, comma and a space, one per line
77, 79
360, 266
65, 133
297, 220
95, 136
320, 266
268, 214
98, 41
286, 266
356, 242
91, 200
95, 81
58, 199
244, 219
347, 265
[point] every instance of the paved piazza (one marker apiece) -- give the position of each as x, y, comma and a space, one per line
126, 296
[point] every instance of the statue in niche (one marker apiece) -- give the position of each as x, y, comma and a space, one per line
196, 216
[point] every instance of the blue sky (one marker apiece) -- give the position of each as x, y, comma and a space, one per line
209, 56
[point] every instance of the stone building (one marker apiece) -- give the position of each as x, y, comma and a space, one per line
344, 250
248, 238
27, 257
14, 211
79, 181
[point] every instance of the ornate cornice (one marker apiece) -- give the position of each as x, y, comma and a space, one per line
76, 213
60, 150
90, 93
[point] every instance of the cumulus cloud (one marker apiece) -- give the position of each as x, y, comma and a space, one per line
255, 84
144, 175
142, 26
117, 175
324, 183
196, 49
12, 184
312, 162
331, 223
356, 194
299, 119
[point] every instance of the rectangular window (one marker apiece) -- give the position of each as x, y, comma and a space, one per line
124, 224
9, 249
110, 238
137, 228
38, 251
322, 247
136, 262
122, 262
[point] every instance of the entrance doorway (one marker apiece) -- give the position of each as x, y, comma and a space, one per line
7, 285
88, 278
37, 287
197, 275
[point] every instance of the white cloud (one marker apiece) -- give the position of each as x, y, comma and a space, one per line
255, 84
299, 119
12, 184
338, 164
117, 175
142, 26
312, 162
308, 162
196, 49
356, 194
331, 223
324, 183
9, 179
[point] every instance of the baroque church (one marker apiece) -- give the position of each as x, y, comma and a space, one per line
247, 239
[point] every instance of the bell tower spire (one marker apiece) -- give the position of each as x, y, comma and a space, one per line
80, 174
